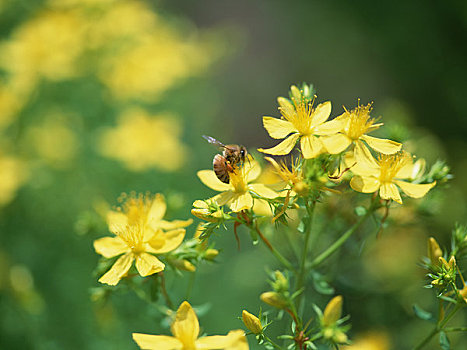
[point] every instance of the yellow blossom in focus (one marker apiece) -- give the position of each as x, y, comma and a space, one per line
238, 192
357, 123
300, 121
12, 176
387, 174
185, 330
142, 141
139, 232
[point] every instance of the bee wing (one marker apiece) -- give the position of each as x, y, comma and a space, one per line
214, 142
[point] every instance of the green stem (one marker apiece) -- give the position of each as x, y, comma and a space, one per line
455, 329
271, 342
437, 329
307, 221
275, 252
336, 245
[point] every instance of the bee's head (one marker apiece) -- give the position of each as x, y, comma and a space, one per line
243, 153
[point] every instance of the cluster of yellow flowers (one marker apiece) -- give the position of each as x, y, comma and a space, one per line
345, 135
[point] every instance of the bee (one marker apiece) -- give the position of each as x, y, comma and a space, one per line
225, 163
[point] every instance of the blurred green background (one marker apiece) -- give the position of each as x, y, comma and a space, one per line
99, 97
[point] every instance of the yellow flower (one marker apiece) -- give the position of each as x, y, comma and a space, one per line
252, 322
333, 311
238, 193
357, 123
142, 141
300, 121
386, 175
138, 227
185, 330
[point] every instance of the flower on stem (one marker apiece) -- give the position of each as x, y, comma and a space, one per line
386, 175
185, 330
138, 229
292, 177
357, 123
252, 322
300, 121
238, 193
274, 299
331, 322
434, 251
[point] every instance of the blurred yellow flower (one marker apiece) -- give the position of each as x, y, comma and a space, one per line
142, 141
357, 123
300, 121
238, 193
47, 45
333, 311
53, 141
185, 330
13, 173
375, 340
386, 175
138, 226
10, 104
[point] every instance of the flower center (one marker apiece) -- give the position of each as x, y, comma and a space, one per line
133, 235
136, 208
301, 117
238, 181
359, 122
391, 164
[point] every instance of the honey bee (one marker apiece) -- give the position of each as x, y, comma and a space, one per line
225, 163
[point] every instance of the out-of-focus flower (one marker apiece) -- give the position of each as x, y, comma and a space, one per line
10, 104
386, 175
357, 123
185, 330
274, 299
434, 251
238, 193
138, 227
47, 45
13, 173
141, 141
53, 141
333, 311
375, 340
252, 322
300, 121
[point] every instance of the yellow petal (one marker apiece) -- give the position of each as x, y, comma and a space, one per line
384, 146
109, 247
261, 207
278, 128
411, 170
209, 178
389, 191
241, 202
158, 208
282, 148
148, 264
366, 163
251, 170
116, 219
171, 225
321, 113
224, 198
414, 190
365, 184
330, 127
118, 270
185, 326
286, 107
235, 340
157, 342
335, 144
166, 242
311, 146
263, 191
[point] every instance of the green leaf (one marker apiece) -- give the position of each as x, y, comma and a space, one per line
360, 211
444, 341
321, 285
422, 314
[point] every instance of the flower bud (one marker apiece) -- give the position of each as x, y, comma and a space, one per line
333, 311
274, 299
211, 254
281, 283
252, 322
184, 265
434, 251
448, 265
